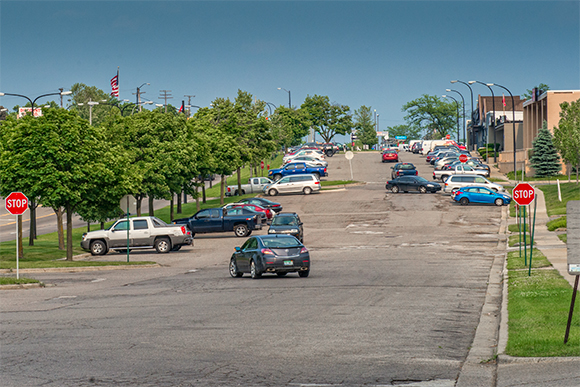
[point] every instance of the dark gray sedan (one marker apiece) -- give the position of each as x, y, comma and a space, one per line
287, 223
280, 254
412, 183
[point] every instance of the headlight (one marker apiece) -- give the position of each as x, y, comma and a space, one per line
430, 185
271, 231
293, 231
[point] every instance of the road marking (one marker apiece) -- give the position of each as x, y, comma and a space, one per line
99, 280
27, 220
63, 297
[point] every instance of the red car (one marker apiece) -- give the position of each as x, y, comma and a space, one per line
390, 155
254, 207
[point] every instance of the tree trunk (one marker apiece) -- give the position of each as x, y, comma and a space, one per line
32, 226
197, 205
222, 188
69, 230
203, 192
151, 206
179, 202
184, 195
102, 225
59, 227
171, 207
139, 199
239, 173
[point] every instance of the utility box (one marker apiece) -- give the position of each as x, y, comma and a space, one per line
573, 231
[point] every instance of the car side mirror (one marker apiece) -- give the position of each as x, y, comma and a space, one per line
238, 249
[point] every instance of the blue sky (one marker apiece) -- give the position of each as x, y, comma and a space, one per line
375, 53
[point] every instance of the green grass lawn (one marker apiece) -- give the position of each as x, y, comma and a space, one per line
538, 307
570, 191
557, 223
510, 176
19, 281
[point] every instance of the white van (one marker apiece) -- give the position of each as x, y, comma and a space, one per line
426, 147
454, 182
305, 183
403, 147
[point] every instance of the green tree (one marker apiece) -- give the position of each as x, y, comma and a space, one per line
327, 119
289, 126
542, 87
83, 94
545, 158
567, 135
365, 126
412, 132
431, 114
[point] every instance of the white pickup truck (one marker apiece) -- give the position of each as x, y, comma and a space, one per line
443, 174
145, 232
255, 185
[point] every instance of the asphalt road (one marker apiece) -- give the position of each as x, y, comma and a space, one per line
394, 297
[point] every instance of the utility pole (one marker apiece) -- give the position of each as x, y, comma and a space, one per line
61, 90
189, 97
165, 96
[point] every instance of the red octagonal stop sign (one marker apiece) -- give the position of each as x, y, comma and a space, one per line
523, 194
16, 203
463, 158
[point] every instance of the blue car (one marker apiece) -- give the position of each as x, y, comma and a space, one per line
478, 194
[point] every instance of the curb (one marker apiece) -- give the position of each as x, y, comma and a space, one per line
506, 359
81, 268
22, 286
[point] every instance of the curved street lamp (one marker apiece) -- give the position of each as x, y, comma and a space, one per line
463, 104
289, 98
141, 105
513, 120
471, 92
32, 101
493, 120
457, 105
138, 95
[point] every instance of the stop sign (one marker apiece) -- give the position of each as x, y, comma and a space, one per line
16, 203
463, 158
523, 194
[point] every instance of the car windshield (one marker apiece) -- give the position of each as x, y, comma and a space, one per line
406, 166
280, 242
421, 179
285, 221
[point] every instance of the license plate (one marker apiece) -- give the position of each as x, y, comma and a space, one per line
288, 263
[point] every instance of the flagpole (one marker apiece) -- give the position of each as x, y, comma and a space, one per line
118, 90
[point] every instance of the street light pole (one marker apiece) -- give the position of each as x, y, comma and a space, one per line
471, 92
289, 98
40, 96
138, 95
513, 121
457, 105
463, 104
493, 119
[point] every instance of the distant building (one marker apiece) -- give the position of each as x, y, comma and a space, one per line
540, 108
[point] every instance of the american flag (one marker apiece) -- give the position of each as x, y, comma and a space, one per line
115, 85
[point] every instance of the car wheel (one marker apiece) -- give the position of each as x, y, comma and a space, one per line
241, 230
277, 177
236, 193
329, 153
464, 201
234, 269
243, 192
162, 245
304, 273
422, 189
281, 274
499, 202
176, 248
444, 177
307, 190
395, 189
254, 272
98, 248
272, 192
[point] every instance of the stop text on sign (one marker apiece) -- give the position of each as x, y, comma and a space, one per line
524, 194
16, 203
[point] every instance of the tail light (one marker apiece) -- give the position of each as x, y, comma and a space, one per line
183, 230
316, 182
416, 173
324, 170
303, 250
267, 252
229, 189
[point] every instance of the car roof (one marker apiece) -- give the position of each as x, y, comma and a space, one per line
287, 214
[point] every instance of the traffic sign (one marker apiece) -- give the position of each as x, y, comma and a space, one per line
448, 137
16, 203
523, 194
262, 164
463, 158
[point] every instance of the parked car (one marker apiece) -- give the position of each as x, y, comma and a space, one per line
390, 155
480, 194
412, 183
145, 232
455, 182
297, 169
304, 152
443, 174
287, 223
243, 210
263, 202
309, 160
280, 254
401, 169
215, 220
268, 213
292, 184
254, 185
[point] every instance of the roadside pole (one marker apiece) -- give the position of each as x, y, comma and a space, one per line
16, 203
573, 253
349, 155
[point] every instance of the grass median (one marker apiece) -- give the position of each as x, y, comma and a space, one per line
538, 306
